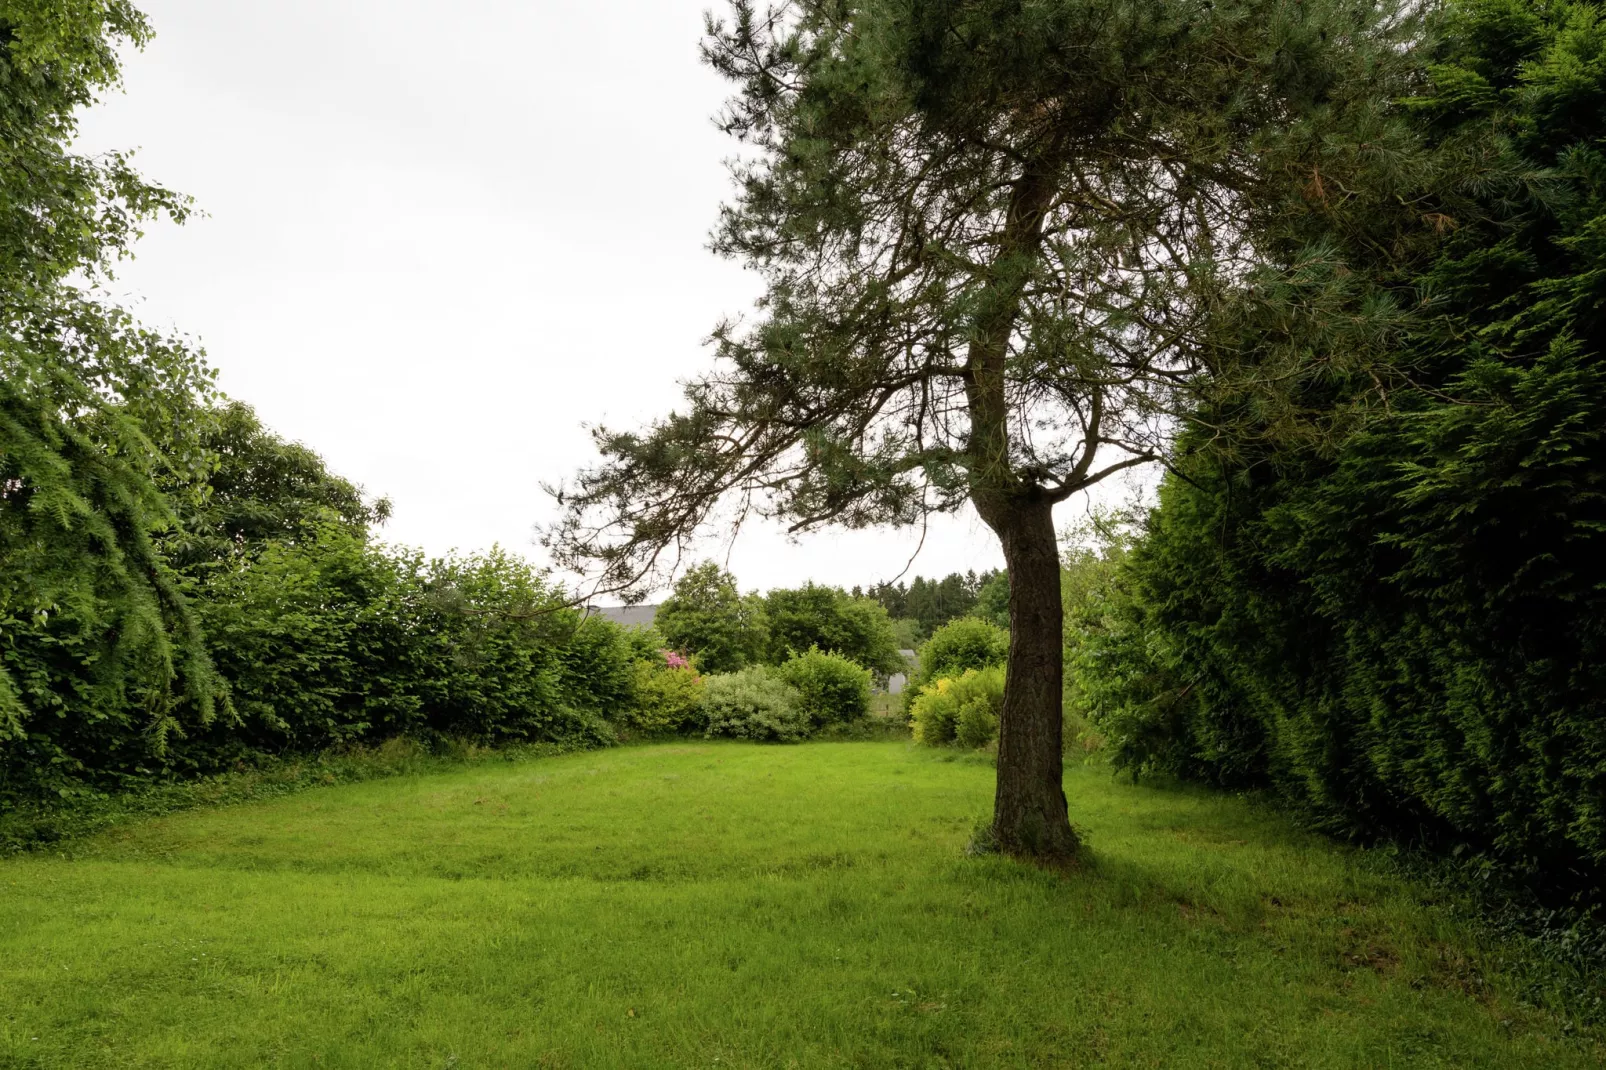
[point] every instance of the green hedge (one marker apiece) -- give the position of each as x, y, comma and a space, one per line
1404, 632
323, 641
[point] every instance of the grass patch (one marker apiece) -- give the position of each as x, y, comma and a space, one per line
59, 823
715, 904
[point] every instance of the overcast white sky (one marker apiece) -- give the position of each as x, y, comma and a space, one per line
441, 238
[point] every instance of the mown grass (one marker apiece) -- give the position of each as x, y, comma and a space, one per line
86, 812
733, 906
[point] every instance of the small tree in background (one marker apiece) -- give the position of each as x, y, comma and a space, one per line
993, 236
830, 619
707, 616
261, 487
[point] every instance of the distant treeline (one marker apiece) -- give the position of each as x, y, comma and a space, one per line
929, 604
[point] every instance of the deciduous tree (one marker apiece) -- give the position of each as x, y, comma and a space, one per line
707, 616
829, 618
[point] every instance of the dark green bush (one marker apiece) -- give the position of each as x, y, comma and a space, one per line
323, 641
831, 689
1402, 627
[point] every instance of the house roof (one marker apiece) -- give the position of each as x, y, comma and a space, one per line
628, 616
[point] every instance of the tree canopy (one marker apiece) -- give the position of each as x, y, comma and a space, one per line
802, 618
707, 616
932, 603
260, 488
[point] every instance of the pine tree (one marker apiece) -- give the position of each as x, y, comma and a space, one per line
993, 233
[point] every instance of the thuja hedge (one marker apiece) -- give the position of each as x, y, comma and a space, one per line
1405, 634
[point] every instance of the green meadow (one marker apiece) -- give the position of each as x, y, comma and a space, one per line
732, 905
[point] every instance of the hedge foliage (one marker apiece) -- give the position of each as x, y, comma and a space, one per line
1403, 629
321, 638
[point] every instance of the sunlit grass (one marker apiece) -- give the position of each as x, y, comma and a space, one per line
731, 905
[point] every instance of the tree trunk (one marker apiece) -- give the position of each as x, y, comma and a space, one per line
1029, 810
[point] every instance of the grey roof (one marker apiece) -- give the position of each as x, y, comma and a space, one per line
629, 616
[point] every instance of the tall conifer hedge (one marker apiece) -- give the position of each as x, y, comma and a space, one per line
1401, 626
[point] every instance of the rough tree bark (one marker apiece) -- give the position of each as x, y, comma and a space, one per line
1030, 817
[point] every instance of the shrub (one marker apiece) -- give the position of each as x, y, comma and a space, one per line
831, 689
966, 643
935, 713
310, 636
499, 659
754, 703
977, 725
960, 709
956, 647
317, 636
668, 697
598, 667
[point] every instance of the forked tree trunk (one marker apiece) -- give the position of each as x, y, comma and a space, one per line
1029, 810
1029, 813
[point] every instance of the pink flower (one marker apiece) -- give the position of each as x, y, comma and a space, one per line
674, 660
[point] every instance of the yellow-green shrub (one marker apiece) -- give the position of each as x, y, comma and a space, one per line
961, 709
667, 697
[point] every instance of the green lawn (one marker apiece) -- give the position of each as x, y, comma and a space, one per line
730, 905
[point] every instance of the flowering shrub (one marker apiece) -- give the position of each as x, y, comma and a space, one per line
668, 695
